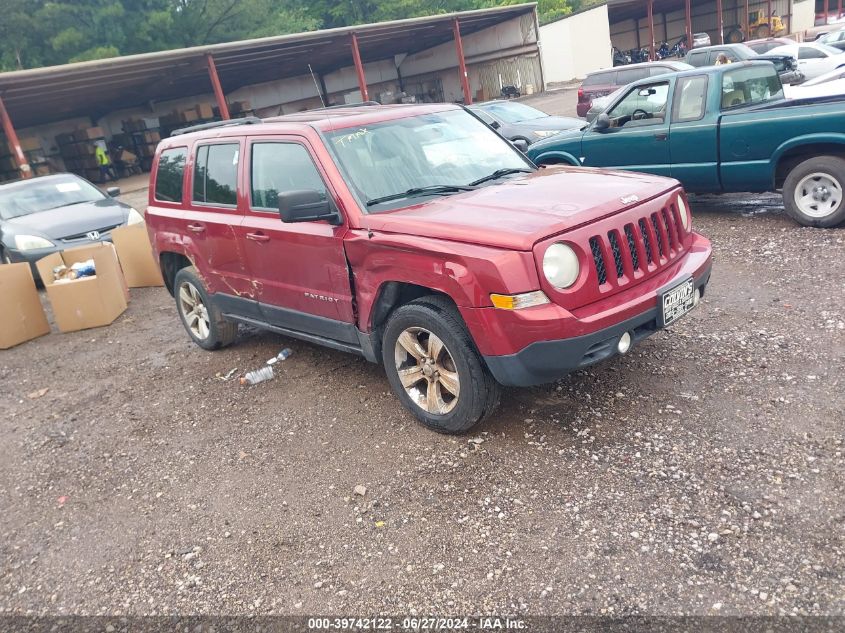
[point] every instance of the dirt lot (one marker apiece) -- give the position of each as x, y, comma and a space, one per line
702, 473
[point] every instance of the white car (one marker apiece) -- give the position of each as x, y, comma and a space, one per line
813, 59
832, 83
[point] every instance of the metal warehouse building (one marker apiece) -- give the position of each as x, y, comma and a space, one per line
51, 115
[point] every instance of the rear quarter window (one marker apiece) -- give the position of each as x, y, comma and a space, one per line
170, 174
600, 79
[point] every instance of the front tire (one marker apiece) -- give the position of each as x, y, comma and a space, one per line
433, 366
202, 319
813, 192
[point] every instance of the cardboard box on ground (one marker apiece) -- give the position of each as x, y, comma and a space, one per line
135, 253
22, 317
89, 301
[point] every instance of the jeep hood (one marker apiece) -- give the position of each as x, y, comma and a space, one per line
517, 212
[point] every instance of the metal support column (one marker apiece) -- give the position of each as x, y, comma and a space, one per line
720, 22
748, 35
459, 47
12, 137
689, 24
650, 7
218, 89
359, 67
769, 15
826, 11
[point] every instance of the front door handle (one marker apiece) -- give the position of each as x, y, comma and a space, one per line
258, 237
661, 136
196, 228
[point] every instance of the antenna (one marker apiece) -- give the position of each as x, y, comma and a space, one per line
316, 85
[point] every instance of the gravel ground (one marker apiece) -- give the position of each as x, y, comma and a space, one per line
700, 474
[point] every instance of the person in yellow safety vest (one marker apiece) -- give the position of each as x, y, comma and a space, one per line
104, 162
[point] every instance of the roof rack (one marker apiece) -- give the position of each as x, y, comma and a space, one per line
248, 120
349, 105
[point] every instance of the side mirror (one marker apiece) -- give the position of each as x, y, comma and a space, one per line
306, 205
602, 122
114, 192
521, 144
495, 125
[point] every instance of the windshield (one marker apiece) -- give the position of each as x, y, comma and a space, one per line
513, 112
443, 149
41, 194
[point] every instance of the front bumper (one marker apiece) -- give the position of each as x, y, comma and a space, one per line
32, 256
546, 361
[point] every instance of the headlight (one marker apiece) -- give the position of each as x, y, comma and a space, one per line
31, 242
683, 212
560, 265
134, 217
545, 133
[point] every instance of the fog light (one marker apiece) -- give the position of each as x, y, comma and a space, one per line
624, 343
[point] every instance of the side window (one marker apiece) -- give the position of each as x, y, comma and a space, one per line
698, 59
216, 174
805, 52
171, 171
690, 99
281, 167
644, 105
625, 77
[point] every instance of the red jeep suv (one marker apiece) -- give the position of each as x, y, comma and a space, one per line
416, 236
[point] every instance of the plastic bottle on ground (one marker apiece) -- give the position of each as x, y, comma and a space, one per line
257, 376
284, 354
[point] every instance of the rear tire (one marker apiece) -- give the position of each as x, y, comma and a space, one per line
813, 192
735, 36
202, 319
443, 381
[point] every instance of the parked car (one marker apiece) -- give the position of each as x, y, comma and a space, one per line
601, 103
835, 39
700, 39
603, 82
813, 59
517, 121
720, 129
786, 65
832, 83
416, 236
43, 215
761, 47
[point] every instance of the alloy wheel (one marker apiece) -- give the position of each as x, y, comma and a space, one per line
194, 310
818, 195
427, 371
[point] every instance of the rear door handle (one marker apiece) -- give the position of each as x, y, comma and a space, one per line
258, 237
196, 228
662, 136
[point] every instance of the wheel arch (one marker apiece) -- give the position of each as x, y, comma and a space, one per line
171, 263
556, 158
795, 151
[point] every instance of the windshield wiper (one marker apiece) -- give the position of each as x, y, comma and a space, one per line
501, 172
420, 191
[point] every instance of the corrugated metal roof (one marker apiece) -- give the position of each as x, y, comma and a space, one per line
94, 88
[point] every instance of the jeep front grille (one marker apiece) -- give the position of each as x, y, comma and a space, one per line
641, 246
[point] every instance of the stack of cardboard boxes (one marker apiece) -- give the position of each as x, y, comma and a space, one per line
82, 303
34, 156
77, 150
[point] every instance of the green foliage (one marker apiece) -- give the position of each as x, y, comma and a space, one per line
42, 32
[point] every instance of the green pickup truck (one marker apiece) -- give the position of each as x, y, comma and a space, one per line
720, 129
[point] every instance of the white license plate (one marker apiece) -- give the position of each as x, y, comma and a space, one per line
676, 302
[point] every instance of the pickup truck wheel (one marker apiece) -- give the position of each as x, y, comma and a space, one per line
434, 368
813, 192
202, 319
